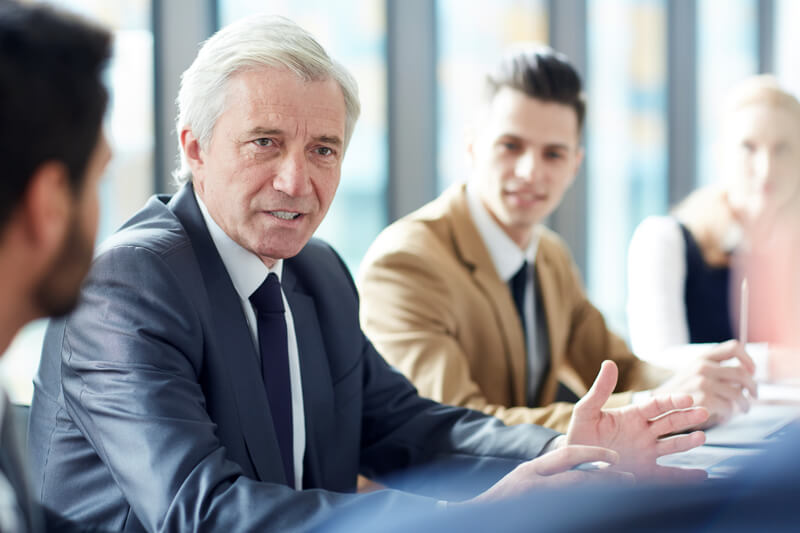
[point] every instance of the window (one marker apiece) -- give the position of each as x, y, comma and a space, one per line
354, 33
787, 48
626, 138
727, 52
471, 36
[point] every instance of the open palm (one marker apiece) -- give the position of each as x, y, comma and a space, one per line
637, 432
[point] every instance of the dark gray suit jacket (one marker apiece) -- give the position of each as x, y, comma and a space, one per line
149, 411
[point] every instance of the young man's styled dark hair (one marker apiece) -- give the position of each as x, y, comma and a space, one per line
542, 73
52, 97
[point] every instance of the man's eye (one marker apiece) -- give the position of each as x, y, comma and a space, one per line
324, 150
264, 142
554, 155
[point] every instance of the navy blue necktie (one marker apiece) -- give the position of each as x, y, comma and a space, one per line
517, 286
274, 348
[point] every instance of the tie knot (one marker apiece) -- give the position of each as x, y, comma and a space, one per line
267, 297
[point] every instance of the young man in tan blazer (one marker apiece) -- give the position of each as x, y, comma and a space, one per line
435, 286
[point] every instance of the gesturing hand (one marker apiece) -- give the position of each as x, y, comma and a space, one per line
554, 469
637, 432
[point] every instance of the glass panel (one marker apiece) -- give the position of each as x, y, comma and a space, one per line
787, 44
727, 52
128, 181
354, 33
471, 36
626, 140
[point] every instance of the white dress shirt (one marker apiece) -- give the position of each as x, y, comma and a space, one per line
247, 273
508, 258
656, 286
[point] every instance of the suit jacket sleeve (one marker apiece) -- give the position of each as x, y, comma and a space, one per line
409, 311
408, 441
131, 374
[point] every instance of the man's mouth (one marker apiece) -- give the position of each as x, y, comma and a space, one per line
284, 215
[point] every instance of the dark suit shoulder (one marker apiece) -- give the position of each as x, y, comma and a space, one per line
154, 227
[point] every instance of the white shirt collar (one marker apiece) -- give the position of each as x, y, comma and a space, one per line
506, 255
245, 268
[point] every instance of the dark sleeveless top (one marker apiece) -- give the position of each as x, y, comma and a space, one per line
706, 294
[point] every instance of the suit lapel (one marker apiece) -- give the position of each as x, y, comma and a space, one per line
230, 337
318, 396
474, 254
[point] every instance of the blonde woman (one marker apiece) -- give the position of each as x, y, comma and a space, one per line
679, 266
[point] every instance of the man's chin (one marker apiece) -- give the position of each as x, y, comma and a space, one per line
58, 306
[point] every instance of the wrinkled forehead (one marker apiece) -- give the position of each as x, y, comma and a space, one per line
267, 95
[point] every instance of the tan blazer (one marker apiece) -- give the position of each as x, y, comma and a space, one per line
435, 307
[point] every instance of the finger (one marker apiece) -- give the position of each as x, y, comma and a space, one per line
570, 456
729, 350
611, 475
601, 389
745, 359
682, 475
728, 397
679, 443
678, 420
659, 405
574, 477
731, 375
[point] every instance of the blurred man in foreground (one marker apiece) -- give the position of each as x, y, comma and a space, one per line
52, 102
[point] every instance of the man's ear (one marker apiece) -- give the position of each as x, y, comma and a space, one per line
194, 156
46, 208
577, 162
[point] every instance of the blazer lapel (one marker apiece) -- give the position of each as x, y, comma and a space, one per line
315, 376
231, 338
473, 252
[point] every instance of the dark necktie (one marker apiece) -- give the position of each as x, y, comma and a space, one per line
517, 286
274, 348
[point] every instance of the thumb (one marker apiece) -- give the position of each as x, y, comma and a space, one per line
601, 389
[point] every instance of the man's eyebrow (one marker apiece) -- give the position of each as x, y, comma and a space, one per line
259, 130
558, 146
329, 139
520, 138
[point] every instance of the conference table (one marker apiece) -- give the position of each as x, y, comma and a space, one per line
730, 445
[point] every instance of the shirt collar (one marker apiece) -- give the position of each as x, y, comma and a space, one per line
506, 256
245, 268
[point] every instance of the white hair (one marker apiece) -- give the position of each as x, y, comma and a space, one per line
253, 42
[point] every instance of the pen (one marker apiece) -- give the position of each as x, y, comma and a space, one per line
743, 313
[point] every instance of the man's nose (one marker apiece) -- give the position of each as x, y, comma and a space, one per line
292, 177
528, 167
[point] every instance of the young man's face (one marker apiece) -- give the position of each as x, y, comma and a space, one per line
525, 154
59, 289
